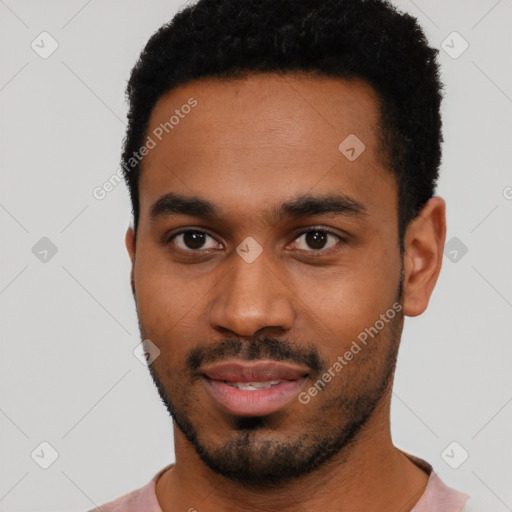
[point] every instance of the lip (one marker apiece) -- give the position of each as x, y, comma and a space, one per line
259, 402
255, 371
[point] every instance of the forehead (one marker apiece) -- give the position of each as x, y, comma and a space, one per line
265, 137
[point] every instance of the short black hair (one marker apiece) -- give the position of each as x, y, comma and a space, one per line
349, 39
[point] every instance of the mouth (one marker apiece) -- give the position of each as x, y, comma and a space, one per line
253, 388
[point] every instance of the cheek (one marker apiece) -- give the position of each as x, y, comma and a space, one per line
167, 307
343, 301
161, 290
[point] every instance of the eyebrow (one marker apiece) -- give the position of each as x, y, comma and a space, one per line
173, 204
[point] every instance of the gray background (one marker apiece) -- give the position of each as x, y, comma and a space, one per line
68, 375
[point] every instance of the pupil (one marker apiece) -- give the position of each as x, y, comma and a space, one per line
313, 239
195, 239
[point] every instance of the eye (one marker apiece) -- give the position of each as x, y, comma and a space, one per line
192, 240
317, 239
312, 240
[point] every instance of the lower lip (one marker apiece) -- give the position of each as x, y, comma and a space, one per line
253, 403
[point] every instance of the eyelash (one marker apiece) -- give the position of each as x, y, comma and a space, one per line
170, 238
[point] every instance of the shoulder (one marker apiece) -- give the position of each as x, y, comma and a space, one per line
142, 499
438, 496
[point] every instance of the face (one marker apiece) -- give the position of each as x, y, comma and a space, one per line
266, 254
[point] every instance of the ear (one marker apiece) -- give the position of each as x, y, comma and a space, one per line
129, 241
423, 255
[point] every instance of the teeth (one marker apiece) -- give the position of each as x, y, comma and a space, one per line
251, 386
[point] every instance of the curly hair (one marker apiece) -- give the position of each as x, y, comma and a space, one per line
360, 39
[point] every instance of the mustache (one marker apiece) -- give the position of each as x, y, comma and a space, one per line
265, 348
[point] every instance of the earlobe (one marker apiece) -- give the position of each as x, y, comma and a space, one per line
129, 241
424, 244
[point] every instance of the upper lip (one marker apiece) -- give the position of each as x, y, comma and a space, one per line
256, 371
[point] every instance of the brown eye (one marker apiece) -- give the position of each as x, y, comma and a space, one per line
316, 239
192, 240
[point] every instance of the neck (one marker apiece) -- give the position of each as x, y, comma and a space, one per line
370, 473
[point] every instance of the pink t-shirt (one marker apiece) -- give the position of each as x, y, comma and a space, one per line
437, 497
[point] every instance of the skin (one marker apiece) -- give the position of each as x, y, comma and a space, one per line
248, 145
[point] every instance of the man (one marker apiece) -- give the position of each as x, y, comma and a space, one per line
282, 158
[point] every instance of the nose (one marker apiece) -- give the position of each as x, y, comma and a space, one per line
251, 297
